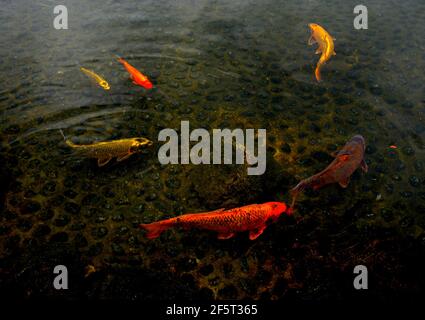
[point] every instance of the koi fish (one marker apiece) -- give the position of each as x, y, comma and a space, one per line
105, 151
135, 75
346, 161
100, 81
326, 46
253, 218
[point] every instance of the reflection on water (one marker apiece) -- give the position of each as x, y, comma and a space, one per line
235, 64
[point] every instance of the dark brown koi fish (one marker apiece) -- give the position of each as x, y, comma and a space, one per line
347, 160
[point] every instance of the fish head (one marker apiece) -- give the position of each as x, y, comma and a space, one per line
313, 26
147, 84
359, 140
138, 144
104, 85
276, 209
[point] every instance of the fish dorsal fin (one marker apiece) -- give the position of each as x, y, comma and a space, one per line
344, 182
343, 153
221, 210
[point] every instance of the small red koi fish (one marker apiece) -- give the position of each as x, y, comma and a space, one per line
253, 218
138, 78
347, 160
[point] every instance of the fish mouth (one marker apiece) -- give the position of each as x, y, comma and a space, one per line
359, 138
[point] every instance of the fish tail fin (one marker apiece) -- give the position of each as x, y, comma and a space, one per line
300, 187
317, 73
63, 135
120, 59
70, 143
155, 229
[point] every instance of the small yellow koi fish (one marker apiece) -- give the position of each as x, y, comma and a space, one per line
105, 151
100, 81
326, 46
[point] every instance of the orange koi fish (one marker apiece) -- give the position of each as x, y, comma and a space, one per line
326, 46
253, 218
138, 78
347, 160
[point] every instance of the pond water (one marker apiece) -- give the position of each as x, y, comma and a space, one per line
217, 64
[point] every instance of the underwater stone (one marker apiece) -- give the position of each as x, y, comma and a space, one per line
72, 207
419, 165
173, 183
139, 208
387, 214
133, 241
46, 214
370, 149
117, 249
244, 264
62, 220
206, 270
12, 242
91, 199
70, 194
414, 181
408, 151
59, 237
205, 294
78, 226
30, 207
399, 166
100, 218
95, 249
122, 231
49, 187
118, 217
151, 197
80, 241
99, 233
228, 292
227, 270
12, 129
406, 222
24, 224
4, 230
406, 194
70, 181
286, 148
396, 177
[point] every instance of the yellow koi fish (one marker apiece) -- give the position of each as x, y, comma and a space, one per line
100, 81
105, 151
326, 46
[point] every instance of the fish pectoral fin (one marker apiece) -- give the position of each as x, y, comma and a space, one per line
134, 82
318, 51
311, 40
225, 236
364, 166
344, 183
255, 233
103, 161
123, 157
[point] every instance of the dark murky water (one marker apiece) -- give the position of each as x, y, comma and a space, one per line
235, 64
